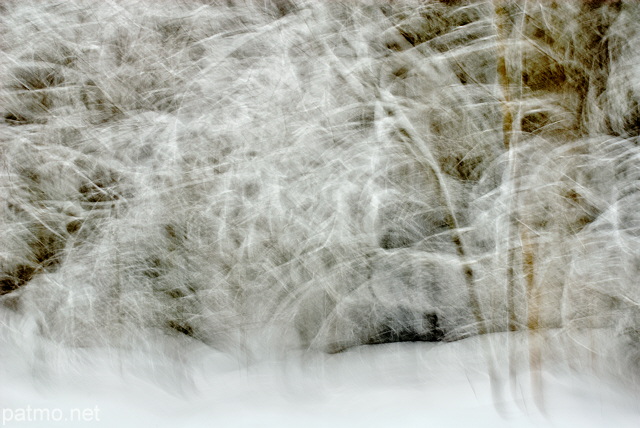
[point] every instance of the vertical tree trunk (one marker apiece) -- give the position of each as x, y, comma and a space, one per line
510, 31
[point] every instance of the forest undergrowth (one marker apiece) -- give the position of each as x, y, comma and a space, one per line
285, 174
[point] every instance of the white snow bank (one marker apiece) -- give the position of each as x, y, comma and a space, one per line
408, 385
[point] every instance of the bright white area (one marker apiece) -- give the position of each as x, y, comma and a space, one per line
406, 385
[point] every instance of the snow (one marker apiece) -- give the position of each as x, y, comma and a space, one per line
264, 176
403, 384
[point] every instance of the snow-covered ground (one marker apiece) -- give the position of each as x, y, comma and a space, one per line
404, 384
